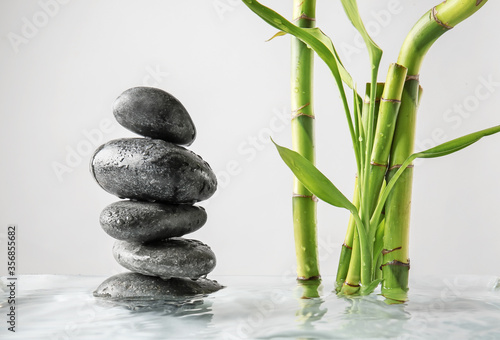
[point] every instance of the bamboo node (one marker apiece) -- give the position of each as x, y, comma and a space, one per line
302, 114
396, 263
387, 251
390, 100
351, 284
378, 164
312, 197
345, 245
478, 2
367, 100
304, 17
397, 166
439, 22
311, 278
300, 108
413, 77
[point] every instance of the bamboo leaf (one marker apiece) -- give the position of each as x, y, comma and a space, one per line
375, 53
457, 143
444, 149
318, 34
277, 21
368, 289
313, 179
313, 37
279, 34
351, 9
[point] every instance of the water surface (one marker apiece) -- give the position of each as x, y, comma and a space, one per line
62, 307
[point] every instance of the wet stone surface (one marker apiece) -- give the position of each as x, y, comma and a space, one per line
175, 257
152, 170
145, 221
137, 286
162, 181
154, 113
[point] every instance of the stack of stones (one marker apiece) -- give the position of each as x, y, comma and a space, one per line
161, 181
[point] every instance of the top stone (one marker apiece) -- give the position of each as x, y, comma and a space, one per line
154, 113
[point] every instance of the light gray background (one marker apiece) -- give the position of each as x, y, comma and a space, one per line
58, 83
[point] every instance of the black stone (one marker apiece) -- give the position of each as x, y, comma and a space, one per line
138, 286
154, 113
174, 257
144, 221
152, 170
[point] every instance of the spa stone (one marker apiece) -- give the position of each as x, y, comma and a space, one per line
152, 170
145, 221
152, 112
174, 257
137, 286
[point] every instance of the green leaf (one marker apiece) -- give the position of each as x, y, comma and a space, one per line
368, 289
279, 34
318, 34
457, 144
314, 38
323, 51
375, 53
351, 9
313, 179
444, 149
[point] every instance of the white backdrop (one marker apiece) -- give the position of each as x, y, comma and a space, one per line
64, 62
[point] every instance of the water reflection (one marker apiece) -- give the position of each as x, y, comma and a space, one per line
55, 307
384, 320
195, 308
308, 294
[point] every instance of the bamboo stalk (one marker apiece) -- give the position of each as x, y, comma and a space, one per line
366, 104
304, 203
352, 281
378, 258
346, 252
385, 125
395, 260
348, 272
360, 267
437, 21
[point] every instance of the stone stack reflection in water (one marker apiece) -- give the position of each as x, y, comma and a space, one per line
161, 181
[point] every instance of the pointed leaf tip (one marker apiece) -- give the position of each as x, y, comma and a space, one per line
457, 144
368, 289
313, 179
278, 34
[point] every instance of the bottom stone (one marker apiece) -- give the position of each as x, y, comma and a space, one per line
137, 286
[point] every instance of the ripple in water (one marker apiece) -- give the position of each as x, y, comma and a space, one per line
62, 307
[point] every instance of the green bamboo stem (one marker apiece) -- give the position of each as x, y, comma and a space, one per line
351, 284
378, 240
377, 258
396, 263
437, 21
360, 266
366, 104
430, 27
386, 123
359, 274
365, 247
346, 251
365, 121
309, 289
304, 203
